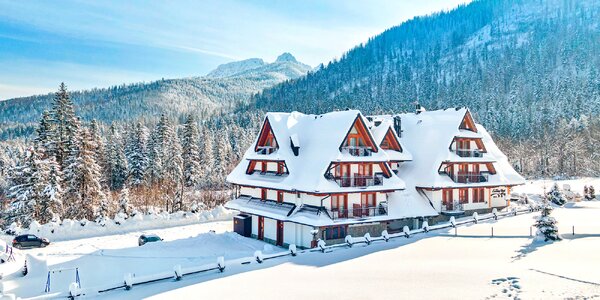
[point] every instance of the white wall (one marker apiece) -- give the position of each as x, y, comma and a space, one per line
270, 229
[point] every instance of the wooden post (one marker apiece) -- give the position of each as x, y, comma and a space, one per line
530, 232
573, 229
455, 231
492, 231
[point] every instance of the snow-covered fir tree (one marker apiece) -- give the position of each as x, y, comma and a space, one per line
47, 190
191, 153
224, 153
100, 150
556, 196
124, 207
207, 160
117, 169
83, 191
46, 136
65, 125
136, 154
21, 193
102, 211
546, 224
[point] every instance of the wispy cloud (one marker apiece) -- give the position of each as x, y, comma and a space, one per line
184, 38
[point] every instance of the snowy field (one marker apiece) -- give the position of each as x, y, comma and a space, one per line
437, 265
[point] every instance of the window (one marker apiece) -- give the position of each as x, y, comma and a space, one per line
447, 196
335, 232
339, 205
279, 197
463, 196
385, 145
263, 166
280, 168
263, 194
478, 195
368, 199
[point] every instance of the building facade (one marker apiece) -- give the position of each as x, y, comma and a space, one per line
310, 177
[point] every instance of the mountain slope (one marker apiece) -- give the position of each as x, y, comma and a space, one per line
220, 91
519, 65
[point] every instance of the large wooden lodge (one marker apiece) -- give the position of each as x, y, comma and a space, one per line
310, 177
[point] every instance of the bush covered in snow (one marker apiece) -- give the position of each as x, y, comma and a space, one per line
556, 196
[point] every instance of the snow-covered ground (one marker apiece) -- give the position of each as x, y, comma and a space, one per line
471, 265
437, 265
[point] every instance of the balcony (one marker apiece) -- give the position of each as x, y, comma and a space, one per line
358, 211
265, 150
469, 152
359, 181
357, 150
469, 177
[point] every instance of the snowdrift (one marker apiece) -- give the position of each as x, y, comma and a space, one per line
74, 229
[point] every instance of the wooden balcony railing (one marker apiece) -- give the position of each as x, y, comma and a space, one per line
357, 150
469, 177
359, 181
469, 152
358, 211
266, 150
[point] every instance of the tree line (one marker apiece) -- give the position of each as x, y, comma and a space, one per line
92, 171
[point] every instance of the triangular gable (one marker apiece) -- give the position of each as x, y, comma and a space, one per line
360, 135
266, 137
390, 141
468, 123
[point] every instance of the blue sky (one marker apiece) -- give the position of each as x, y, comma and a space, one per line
101, 43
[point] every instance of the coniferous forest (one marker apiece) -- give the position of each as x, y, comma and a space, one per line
527, 69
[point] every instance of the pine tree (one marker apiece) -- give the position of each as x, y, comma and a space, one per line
556, 196
102, 211
45, 135
125, 208
117, 169
21, 192
191, 153
207, 160
65, 125
47, 190
224, 154
83, 191
137, 155
100, 149
546, 224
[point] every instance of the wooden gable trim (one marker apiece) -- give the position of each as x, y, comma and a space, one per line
264, 133
392, 140
252, 165
491, 168
370, 141
468, 123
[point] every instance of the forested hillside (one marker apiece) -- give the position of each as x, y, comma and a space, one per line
145, 102
520, 66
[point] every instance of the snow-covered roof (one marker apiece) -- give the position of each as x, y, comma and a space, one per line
428, 136
379, 128
319, 138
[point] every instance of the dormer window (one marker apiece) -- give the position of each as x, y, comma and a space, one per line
267, 143
390, 142
468, 123
358, 141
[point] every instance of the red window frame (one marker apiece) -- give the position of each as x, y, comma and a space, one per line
447, 196
463, 196
279, 168
478, 195
263, 194
279, 196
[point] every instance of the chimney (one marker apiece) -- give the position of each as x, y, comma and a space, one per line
418, 108
398, 125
